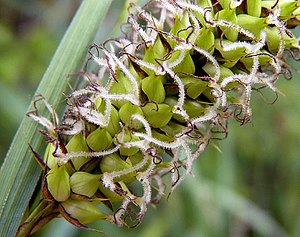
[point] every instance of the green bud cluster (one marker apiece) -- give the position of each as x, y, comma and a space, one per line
160, 94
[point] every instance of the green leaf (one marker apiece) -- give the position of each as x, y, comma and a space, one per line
20, 172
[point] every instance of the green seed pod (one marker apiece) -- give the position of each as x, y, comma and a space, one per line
267, 4
99, 140
172, 101
84, 183
254, 7
160, 48
83, 211
225, 3
136, 159
264, 59
111, 196
153, 87
50, 160
126, 111
124, 137
228, 15
149, 57
152, 52
186, 65
273, 39
158, 115
121, 86
173, 128
99, 105
287, 8
251, 23
206, 39
210, 69
112, 163
113, 126
181, 23
193, 108
194, 87
296, 13
58, 183
194, 90
210, 99
78, 143
203, 4
158, 134
136, 70
230, 57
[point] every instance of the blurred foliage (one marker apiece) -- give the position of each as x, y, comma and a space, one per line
249, 186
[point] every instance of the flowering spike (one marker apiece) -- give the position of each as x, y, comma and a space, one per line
184, 68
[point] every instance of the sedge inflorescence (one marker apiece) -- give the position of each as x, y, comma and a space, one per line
157, 98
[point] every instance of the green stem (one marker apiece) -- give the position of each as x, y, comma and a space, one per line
42, 209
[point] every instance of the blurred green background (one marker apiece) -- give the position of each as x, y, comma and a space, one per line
250, 187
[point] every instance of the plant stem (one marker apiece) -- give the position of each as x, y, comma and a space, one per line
31, 222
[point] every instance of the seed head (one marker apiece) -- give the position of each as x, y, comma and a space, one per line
163, 92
